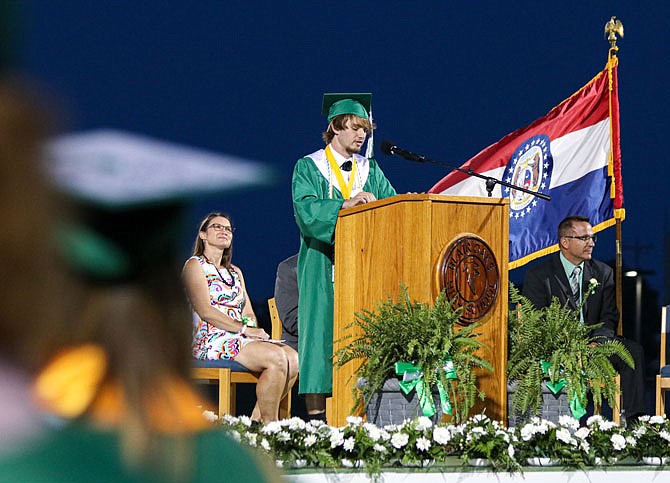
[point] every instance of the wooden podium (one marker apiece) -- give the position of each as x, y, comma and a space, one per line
426, 241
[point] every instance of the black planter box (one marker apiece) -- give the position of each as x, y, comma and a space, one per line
392, 406
553, 406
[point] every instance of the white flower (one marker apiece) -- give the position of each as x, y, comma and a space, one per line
563, 434
593, 283
235, 435
310, 440
349, 444
504, 434
568, 422
314, 424
595, 419
582, 433
585, 446
479, 418
373, 432
631, 441
230, 419
545, 426
379, 448
246, 420
210, 416
354, 420
656, 420
398, 440
265, 445
251, 438
300, 463
618, 442
279, 463
423, 423
664, 434
527, 432
336, 438
271, 428
423, 444
296, 424
441, 435
284, 436
510, 451
404, 424
347, 463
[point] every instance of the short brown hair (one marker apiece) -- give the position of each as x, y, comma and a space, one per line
340, 122
566, 225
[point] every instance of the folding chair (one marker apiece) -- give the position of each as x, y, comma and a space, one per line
227, 374
663, 377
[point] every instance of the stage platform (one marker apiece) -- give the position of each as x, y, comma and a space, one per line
624, 474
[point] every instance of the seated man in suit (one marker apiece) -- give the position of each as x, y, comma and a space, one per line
566, 275
286, 298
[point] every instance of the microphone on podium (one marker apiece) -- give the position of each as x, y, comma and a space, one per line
392, 149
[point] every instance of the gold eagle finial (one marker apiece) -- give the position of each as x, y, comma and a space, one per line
613, 28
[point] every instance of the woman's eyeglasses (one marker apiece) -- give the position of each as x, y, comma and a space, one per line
219, 227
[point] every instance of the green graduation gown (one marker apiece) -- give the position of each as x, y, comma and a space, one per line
78, 453
316, 203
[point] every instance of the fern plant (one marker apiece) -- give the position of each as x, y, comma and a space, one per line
555, 335
421, 333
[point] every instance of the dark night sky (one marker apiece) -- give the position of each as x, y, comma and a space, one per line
448, 79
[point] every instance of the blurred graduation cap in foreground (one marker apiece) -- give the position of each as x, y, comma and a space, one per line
130, 194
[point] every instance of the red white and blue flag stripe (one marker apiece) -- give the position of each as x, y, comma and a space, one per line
572, 154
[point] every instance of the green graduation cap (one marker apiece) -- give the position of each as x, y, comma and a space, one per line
130, 195
335, 104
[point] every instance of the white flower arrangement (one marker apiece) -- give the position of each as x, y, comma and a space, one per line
540, 438
651, 437
293, 443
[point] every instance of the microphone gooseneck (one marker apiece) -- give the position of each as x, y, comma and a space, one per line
391, 149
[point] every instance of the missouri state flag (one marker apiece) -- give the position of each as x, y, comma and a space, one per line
571, 154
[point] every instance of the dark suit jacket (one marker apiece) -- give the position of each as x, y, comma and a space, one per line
547, 279
286, 298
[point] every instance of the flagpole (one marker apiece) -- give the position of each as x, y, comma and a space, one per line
613, 28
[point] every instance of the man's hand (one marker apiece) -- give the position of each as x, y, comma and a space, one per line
360, 199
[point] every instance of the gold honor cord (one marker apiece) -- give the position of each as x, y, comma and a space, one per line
345, 188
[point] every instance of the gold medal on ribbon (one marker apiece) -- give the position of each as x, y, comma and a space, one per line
345, 188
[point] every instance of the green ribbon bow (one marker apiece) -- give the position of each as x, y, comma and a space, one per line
576, 407
411, 377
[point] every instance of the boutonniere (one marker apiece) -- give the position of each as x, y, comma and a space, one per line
593, 284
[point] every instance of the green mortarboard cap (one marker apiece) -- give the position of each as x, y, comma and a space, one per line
130, 195
357, 104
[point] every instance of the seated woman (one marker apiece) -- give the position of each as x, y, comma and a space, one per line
224, 322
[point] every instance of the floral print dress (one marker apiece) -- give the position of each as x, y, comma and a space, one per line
226, 295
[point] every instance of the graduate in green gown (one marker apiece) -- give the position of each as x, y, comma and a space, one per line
324, 182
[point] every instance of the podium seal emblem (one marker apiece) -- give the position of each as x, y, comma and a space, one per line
468, 271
